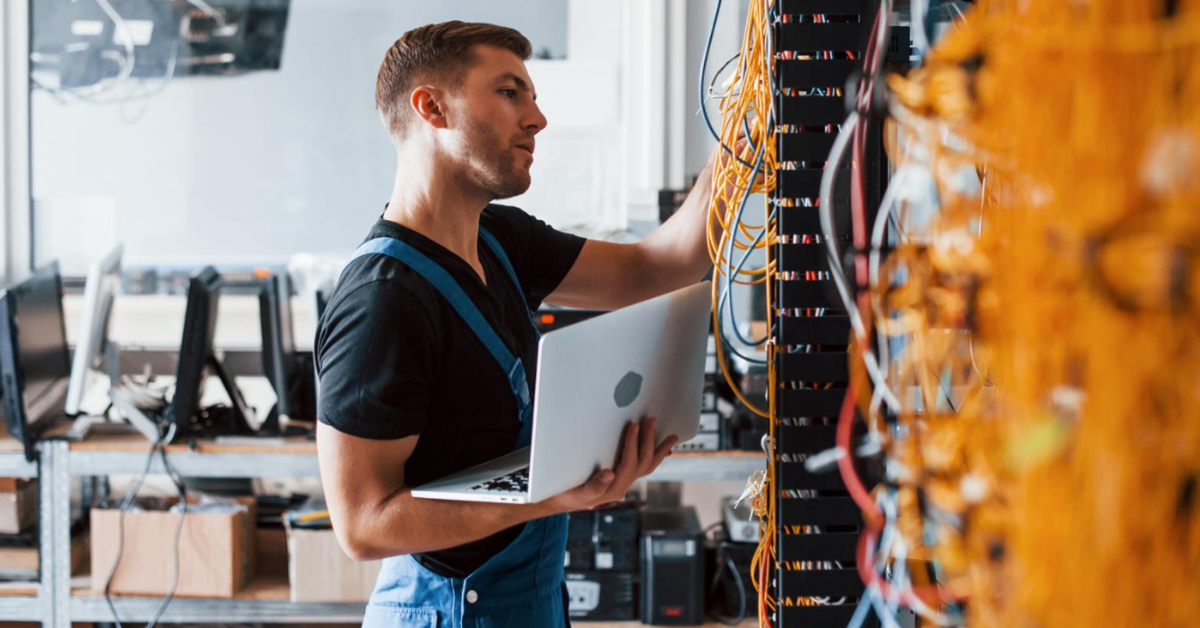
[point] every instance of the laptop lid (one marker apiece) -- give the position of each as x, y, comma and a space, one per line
595, 376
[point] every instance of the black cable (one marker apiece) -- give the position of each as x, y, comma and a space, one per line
717, 74
182, 491
160, 448
712, 587
722, 565
946, 394
741, 584
126, 504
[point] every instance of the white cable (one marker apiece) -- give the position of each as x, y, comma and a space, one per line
920, 37
829, 234
121, 31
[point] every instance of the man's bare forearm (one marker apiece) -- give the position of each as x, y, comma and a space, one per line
677, 251
404, 524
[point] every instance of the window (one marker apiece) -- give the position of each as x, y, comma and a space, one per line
237, 163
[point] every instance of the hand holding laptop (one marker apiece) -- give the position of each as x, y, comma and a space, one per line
593, 378
637, 458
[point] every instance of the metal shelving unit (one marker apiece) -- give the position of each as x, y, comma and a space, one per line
680, 467
23, 607
265, 600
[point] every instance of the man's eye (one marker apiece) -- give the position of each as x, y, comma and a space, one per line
509, 93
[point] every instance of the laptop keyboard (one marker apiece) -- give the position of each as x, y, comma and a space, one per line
515, 482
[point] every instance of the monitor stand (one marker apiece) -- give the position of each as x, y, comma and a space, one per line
240, 412
279, 425
220, 420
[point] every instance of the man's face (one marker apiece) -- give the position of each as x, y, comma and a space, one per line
497, 119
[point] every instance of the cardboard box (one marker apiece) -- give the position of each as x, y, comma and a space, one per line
319, 571
21, 563
18, 507
216, 552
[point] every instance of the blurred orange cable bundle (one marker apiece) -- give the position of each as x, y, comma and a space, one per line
1043, 304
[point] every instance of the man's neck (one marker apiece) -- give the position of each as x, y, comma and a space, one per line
439, 208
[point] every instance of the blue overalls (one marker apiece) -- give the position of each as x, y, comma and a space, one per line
523, 585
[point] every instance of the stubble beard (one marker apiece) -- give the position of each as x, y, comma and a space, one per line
496, 170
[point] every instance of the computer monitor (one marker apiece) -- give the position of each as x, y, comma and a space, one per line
197, 359
279, 355
103, 283
34, 358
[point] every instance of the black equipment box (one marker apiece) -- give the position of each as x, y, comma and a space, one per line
581, 550
601, 595
603, 540
672, 587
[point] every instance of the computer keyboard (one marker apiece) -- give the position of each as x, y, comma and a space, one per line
515, 482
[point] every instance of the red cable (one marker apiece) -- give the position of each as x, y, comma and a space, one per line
846, 460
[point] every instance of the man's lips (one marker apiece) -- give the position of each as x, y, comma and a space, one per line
526, 147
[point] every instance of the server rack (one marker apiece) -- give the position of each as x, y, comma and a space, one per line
813, 328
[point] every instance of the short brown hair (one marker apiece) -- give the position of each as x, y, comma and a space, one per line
445, 49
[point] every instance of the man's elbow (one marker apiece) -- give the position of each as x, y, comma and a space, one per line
357, 544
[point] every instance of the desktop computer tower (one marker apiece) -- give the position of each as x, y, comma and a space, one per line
672, 587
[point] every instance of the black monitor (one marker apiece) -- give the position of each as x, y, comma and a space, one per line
279, 359
196, 359
35, 362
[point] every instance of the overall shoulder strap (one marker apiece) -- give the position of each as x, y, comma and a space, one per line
494, 244
449, 288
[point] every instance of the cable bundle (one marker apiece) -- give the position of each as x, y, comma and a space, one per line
1036, 320
746, 164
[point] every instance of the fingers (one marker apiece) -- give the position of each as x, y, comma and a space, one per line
646, 445
586, 495
627, 464
663, 451
599, 483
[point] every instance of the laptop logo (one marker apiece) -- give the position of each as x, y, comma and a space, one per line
627, 389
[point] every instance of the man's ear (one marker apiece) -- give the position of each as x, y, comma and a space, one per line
429, 105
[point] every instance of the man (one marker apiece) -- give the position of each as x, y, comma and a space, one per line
410, 393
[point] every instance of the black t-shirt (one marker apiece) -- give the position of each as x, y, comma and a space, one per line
394, 359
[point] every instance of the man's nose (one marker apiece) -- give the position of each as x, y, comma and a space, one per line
537, 122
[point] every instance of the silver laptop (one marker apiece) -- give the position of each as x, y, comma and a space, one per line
592, 378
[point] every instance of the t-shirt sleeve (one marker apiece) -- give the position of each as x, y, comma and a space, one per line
541, 255
376, 361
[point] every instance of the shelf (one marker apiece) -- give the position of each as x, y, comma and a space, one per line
265, 600
19, 601
715, 466
19, 590
12, 458
296, 457
20, 608
14, 465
